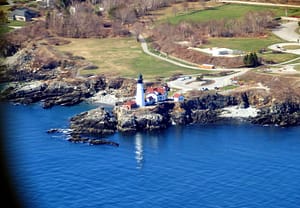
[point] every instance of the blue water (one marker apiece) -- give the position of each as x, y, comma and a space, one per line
210, 166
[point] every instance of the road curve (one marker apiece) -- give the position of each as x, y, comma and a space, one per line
216, 82
146, 50
287, 31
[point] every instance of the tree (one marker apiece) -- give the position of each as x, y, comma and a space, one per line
137, 28
3, 18
174, 10
3, 2
125, 14
251, 60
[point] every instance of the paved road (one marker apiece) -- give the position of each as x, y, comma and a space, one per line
288, 32
146, 50
259, 3
280, 47
189, 84
216, 82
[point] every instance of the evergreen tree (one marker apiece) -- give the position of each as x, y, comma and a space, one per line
3, 2
251, 60
255, 60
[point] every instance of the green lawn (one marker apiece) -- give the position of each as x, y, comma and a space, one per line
278, 58
251, 45
243, 44
229, 87
297, 67
291, 47
229, 11
4, 29
16, 23
121, 57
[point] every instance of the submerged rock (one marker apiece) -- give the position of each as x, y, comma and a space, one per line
93, 141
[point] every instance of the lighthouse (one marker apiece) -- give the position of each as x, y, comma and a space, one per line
140, 96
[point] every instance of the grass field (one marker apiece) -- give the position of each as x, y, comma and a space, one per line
251, 45
229, 87
243, 44
4, 29
16, 23
121, 57
291, 47
169, 12
278, 58
229, 11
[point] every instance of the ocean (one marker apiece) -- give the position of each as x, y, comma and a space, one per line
232, 165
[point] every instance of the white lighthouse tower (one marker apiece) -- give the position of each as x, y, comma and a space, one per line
140, 95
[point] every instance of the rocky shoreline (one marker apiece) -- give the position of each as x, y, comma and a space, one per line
202, 110
55, 82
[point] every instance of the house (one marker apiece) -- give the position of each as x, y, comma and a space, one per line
130, 104
22, 14
178, 97
207, 66
156, 94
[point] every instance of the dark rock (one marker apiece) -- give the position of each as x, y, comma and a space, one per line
78, 140
211, 101
204, 116
97, 122
53, 92
281, 114
102, 142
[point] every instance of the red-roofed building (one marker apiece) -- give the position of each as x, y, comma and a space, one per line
156, 94
178, 97
129, 104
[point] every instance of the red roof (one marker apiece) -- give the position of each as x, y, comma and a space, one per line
130, 103
177, 95
161, 90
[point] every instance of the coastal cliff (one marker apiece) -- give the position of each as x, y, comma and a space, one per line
38, 73
280, 114
203, 109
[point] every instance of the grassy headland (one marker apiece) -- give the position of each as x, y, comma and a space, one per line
121, 57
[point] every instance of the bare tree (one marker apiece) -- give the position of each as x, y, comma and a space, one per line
126, 14
137, 28
174, 10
